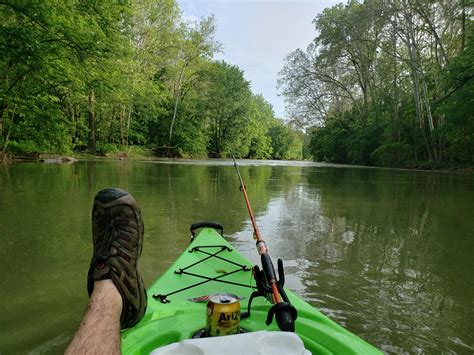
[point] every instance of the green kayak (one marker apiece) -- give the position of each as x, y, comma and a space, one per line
211, 265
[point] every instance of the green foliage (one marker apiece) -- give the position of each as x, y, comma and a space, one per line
287, 144
102, 76
392, 154
24, 148
327, 142
346, 140
190, 135
40, 125
107, 148
261, 118
226, 105
386, 83
458, 105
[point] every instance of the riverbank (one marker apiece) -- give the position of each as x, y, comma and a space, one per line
134, 153
441, 166
131, 152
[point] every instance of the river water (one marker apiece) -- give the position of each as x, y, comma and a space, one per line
386, 253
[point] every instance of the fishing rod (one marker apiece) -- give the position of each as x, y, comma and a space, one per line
266, 280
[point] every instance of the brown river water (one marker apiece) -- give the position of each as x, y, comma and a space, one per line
388, 254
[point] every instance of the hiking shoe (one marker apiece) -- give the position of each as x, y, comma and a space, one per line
117, 234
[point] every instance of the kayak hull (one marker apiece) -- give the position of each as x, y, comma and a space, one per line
172, 317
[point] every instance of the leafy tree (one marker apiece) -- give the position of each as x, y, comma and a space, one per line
261, 119
197, 44
102, 76
376, 86
457, 105
287, 143
45, 47
226, 109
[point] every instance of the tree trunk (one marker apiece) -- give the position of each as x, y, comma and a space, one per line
7, 138
396, 94
420, 10
441, 138
411, 46
122, 125
216, 145
129, 119
419, 110
110, 129
78, 114
430, 116
176, 101
363, 86
366, 104
419, 114
3, 109
91, 146
2, 113
463, 25
72, 117
427, 103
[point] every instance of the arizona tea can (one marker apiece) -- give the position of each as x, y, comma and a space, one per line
223, 314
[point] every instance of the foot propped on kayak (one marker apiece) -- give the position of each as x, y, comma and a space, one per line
117, 233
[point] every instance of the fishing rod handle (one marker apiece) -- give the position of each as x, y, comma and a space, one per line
270, 275
268, 268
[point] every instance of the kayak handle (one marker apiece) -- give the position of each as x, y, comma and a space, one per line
205, 224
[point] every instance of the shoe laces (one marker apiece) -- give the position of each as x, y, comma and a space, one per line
104, 248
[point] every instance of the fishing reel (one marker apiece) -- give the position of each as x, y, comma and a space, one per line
284, 312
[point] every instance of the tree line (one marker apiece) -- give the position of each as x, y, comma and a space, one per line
100, 76
386, 83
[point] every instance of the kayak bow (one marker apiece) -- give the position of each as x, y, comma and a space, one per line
211, 265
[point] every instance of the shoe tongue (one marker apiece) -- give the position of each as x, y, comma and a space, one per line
108, 195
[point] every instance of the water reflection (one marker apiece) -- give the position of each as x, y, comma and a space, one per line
386, 253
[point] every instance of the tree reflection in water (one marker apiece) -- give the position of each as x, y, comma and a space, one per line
386, 253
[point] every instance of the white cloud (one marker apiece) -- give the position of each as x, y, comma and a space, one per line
258, 34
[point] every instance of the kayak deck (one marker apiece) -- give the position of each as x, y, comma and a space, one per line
207, 267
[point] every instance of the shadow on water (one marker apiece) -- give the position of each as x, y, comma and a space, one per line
386, 253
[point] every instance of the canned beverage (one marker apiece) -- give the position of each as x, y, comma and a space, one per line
223, 314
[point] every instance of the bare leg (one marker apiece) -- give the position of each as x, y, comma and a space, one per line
115, 286
99, 332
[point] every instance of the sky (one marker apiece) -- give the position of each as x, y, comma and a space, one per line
258, 34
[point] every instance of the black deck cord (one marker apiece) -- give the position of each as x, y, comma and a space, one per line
163, 298
246, 268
